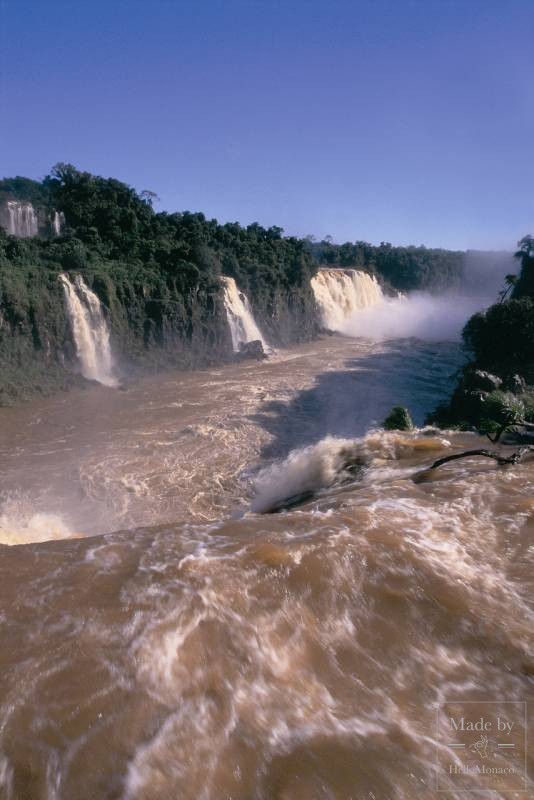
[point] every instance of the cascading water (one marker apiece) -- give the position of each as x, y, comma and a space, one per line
341, 292
351, 302
58, 222
239, 314
21, 219
90, 330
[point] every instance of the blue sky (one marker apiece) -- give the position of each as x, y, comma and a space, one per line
410, 121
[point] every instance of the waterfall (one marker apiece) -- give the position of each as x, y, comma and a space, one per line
239, 314
341, 292
21, 219
58, 221
90, 330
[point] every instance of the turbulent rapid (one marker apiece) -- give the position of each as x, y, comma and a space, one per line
210, 649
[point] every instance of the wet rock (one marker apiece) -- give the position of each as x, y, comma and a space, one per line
516, 384
479, 380
398, 419
468, 404
253, 350
518, 435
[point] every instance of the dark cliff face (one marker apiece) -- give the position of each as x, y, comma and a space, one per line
157, 275
499, 377
35, 343
289, 316
151, 327
158, 325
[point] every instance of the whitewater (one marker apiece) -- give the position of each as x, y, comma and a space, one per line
90, 331
250, 590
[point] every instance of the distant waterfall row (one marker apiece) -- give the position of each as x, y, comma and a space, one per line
341, 292
20, 219
90, 331
239, 314
91, 334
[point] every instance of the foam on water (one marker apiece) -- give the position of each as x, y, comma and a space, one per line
419, 314
352, 302
308, 470
296, 656
22, 524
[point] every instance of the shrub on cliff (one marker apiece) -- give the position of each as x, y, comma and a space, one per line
501, 341
398, 419
158, 275
524, 287
502, 338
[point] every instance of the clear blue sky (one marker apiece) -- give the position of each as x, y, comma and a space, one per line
410, 121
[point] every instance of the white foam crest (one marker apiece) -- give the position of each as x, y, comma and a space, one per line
21, 524
265, 699
318, 466
306, 470
342, 292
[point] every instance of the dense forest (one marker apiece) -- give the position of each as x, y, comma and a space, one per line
402, 268
158, 276
494, 387
156, 273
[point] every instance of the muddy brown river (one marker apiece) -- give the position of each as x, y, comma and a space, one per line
164, 637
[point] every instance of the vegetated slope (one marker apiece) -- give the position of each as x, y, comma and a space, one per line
158, 276
495, 387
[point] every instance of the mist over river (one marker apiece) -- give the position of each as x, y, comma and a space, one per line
203, 650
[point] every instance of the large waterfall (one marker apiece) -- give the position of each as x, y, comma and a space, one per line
90, 330
341, 292
21, 219
239, 314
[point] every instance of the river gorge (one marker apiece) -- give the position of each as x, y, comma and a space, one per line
222, 575
203, 648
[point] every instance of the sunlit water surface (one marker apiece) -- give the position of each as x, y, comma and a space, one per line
211, 652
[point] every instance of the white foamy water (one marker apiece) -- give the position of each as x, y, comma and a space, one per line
90, 330
186, 446
227, 653
20, 523
420, 315
342, 292
333, 461
351, 302
243, 327
58, 222
21, 219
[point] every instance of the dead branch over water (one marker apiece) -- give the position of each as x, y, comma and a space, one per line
513, 458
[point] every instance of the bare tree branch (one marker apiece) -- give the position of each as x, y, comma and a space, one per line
513, 458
